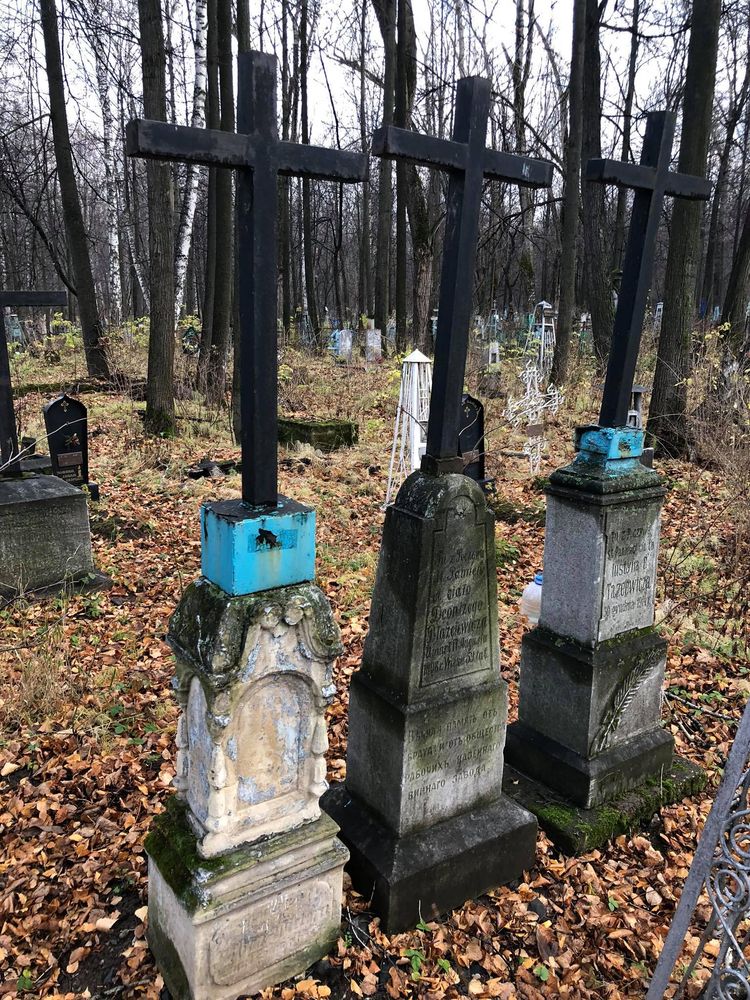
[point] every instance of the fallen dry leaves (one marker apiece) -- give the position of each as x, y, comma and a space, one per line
87, 756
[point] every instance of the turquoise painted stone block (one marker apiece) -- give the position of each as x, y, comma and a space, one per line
605, 445
246, 549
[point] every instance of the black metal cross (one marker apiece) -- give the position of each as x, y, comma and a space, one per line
652, 180
468, 162
258, 156
9, 458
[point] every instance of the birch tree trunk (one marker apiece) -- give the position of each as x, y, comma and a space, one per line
197, 120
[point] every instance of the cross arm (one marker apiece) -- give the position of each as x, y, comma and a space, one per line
635, 175
631, 175
210, 146
33, 299
399, 143
426, 150
298, 160
522, 169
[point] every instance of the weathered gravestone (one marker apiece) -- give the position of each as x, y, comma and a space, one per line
66, 423
422, 810
471, 443
245, 873
373, 344
45, 542
592, 670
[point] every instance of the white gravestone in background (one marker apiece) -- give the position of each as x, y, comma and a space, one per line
412, 414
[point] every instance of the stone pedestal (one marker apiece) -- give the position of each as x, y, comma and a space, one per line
245, 873
422, 812
45, 542
592, 670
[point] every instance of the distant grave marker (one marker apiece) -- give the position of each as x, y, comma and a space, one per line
471, 442
66, 423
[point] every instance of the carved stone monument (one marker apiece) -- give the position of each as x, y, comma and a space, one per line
422, 811
245, 874
588, 733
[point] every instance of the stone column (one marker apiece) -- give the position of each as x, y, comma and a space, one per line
422, 810
245, 873
589, 727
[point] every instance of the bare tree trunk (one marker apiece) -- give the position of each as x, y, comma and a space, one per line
734, 310
197, 120
304, 63
91, 328
596, 250
110, 175
667, 425
159, 392
365, 258
571, 199
401, 116
220, 329
385, 11
213, 121
243, 45
627, 126
710, 292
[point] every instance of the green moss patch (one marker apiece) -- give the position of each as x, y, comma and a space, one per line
575, 830
326, 435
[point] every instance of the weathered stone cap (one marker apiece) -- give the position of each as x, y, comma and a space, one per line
209, 627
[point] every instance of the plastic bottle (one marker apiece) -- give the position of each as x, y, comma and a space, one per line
531, 599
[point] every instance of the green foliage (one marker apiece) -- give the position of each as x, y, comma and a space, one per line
541, 972
416, 957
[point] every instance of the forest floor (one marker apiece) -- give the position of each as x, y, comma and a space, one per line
87, 721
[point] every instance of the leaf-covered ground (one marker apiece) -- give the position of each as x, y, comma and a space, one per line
87, 721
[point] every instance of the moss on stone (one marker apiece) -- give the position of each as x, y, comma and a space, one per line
576, 830
327, 435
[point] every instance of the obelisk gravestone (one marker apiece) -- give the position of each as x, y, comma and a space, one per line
422, 810
592, 670
245, 873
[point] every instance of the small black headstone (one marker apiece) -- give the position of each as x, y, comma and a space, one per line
471, 445
66, 424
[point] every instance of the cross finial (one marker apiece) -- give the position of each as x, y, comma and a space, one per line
652, 180
468, 162
259, 157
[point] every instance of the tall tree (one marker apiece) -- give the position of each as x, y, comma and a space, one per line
197, 120
78, 239
571, 198
385, 11
223, 270
667, 424
596, 247
307, 227
160, 417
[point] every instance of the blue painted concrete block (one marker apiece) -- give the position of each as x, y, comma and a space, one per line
246, 549
617, 448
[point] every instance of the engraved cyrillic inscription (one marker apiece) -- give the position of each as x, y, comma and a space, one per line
457, 626
452, 754
252, 939
629, 572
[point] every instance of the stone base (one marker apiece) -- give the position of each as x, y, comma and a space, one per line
588, 782
45, 542
245, 920
426, 873
326, 435
575, 830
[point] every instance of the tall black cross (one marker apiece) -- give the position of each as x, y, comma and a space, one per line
9, 461
258, 156
652, 180
468, 162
